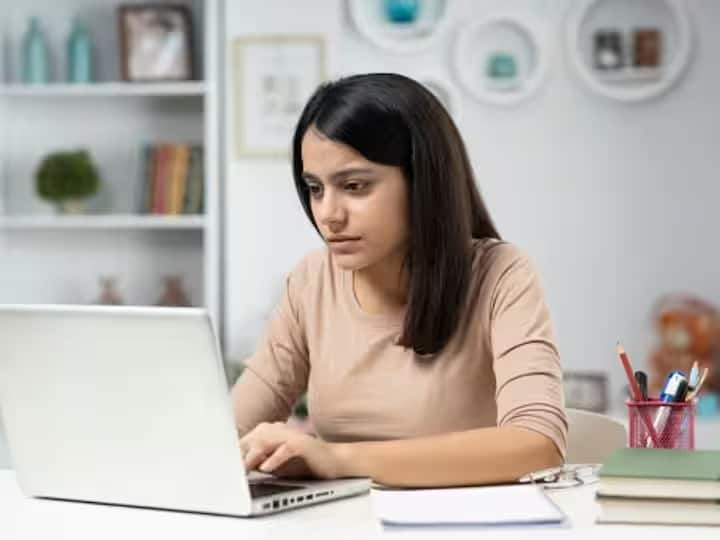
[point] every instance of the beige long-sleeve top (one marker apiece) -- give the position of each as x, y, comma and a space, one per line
501, 368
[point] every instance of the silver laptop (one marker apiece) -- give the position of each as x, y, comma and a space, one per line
130, 406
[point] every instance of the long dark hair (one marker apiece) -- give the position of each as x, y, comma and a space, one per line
393, 120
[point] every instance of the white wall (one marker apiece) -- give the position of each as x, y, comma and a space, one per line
615, 202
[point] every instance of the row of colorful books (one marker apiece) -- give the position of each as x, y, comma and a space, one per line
173, 179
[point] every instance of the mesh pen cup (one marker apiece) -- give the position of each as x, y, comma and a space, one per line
654, 424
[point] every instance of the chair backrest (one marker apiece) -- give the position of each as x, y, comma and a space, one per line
592, 437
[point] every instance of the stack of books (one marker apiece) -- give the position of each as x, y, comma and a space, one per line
679, 487
172, 179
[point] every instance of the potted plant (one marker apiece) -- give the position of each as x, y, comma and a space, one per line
67, 179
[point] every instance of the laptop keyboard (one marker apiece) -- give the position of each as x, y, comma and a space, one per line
265, 489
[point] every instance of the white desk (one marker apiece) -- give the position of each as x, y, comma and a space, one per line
349, 519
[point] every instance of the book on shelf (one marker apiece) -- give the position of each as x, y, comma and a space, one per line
172, 179
639, 485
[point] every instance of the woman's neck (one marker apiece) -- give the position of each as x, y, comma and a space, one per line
383, 287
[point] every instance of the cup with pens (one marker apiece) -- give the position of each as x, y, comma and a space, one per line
666, 421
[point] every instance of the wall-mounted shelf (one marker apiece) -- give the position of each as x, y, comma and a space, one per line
109, 89
519, 41
668, 18
117, 221
411, 35
444, 90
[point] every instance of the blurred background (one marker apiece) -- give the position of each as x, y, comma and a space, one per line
144, 157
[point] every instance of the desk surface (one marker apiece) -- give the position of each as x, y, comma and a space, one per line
22, 517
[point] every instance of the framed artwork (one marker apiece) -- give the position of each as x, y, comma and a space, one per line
585, 390
273, 78
156, 42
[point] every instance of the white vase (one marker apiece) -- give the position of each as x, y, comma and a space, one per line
71, 206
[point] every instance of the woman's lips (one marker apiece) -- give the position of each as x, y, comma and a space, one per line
344, 245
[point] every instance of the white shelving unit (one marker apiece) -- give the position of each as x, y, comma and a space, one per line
105, 89
114, 221
50, 258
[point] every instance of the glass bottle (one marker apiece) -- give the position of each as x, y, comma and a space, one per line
35, 55
80, 54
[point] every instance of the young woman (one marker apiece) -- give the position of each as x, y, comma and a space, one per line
423, 341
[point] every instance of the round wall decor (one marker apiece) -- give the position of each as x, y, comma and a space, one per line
629, 51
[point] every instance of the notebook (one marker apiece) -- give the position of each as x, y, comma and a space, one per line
488, 505
661, 473
659, 511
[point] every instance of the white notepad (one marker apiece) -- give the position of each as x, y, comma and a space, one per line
490, 505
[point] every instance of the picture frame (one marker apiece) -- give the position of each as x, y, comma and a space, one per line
274, 75
156, 42
586, 390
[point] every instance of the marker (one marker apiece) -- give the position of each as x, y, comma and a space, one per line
675, 389
641, 378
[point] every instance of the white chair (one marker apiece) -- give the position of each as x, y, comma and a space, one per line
592, 437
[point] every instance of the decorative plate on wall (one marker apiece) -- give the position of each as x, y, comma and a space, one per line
402, 26
443, 90
629, 51
500, 59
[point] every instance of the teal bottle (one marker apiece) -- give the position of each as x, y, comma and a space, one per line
402, 11
80, 55
35, 55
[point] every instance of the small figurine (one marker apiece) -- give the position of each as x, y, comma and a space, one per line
689, 331
108, 292
173, 295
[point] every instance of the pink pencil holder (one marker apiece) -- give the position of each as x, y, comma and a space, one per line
654, 424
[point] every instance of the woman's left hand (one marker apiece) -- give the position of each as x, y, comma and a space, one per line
283, 451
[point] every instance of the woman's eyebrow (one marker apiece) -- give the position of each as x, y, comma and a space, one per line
338, 176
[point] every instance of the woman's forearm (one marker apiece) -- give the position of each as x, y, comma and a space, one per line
479, 456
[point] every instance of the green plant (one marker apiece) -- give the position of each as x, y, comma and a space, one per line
67, 175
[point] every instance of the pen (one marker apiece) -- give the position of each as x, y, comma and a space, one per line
641, 378
694, 392
694, 376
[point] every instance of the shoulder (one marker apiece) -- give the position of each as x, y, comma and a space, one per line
315, 277
503, 274
496, 260
313, 264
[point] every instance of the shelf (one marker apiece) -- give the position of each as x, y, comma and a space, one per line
112, 221
630, 75
105, 89
520, 40
671, 20
371, 20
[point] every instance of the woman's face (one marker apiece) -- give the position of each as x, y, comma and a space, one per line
360, 207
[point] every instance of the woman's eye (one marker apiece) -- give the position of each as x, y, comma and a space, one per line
315, 190
355, 186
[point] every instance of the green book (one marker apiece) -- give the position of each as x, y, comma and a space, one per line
660, 473
661, 463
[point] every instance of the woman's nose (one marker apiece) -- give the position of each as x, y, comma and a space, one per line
332, 211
